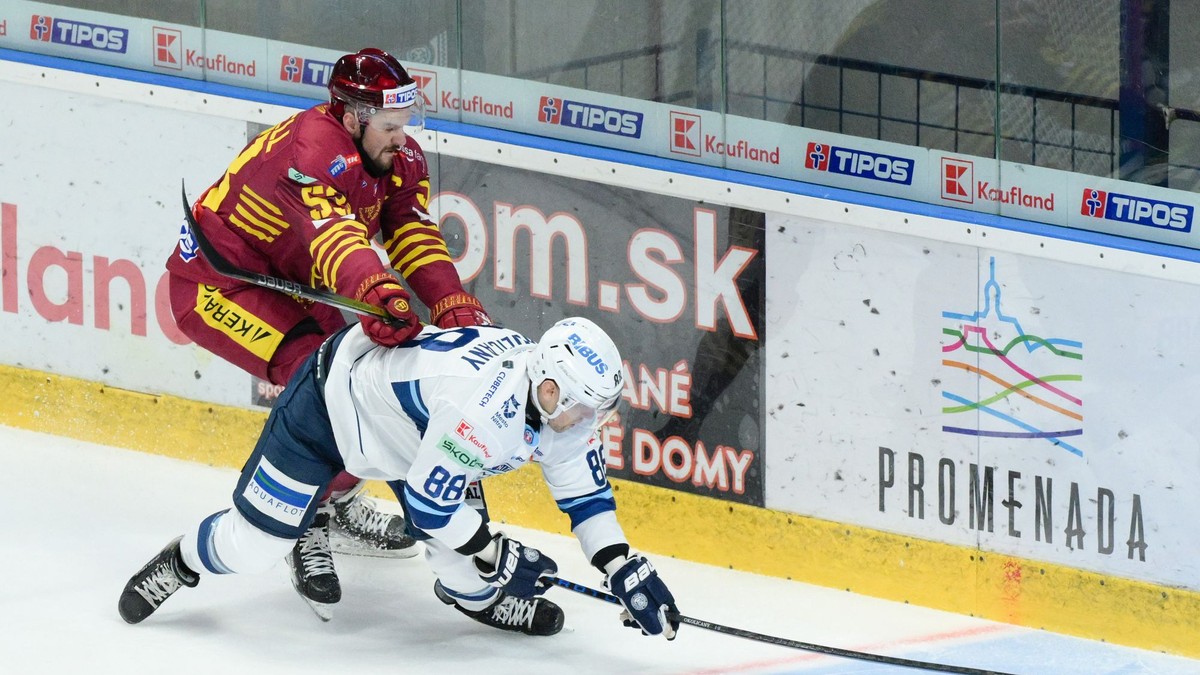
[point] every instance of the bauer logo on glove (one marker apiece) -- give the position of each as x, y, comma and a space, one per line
649, 606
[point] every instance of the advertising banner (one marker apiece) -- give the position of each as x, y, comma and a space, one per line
88, 215
1026, 406
679, 284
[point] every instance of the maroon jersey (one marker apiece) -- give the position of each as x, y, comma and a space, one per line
298, 203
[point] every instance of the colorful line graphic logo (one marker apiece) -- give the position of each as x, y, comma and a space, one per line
1022, 383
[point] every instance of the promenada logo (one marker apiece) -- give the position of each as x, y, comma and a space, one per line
590, 116
859, 163
1136, 210
1000, 381
96, 36
305, 71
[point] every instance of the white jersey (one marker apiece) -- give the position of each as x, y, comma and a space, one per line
450, 408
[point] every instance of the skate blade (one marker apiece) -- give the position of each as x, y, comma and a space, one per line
323, 611
340, 543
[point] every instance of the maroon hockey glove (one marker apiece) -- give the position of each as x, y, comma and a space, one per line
382, 290
459, 309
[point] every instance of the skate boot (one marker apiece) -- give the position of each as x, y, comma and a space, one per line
313, 574
358, 528
154, 583
537, 616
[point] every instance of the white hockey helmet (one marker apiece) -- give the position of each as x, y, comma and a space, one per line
585, 364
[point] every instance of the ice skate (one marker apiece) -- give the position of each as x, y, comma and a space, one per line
359, 528
537, 616
154, 583
313, 574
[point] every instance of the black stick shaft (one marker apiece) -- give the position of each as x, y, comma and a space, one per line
784, 642
226, 268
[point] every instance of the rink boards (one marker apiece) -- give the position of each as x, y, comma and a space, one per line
940, 407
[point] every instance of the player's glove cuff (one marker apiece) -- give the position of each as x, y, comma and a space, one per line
459, 309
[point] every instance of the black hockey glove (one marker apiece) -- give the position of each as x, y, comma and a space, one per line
519, 569
648, 603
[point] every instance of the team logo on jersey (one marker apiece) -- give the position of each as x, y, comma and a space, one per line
187, 243
78, 34
510, 407
1136, 210
531, 437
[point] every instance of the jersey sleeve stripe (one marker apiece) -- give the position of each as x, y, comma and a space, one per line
255, 221
266, 203
424, 514
267, 214
416, 254
243, 225
580, 509
409, 395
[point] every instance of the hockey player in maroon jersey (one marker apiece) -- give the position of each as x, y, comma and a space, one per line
303, 201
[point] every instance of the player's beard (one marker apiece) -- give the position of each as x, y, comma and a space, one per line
375, 166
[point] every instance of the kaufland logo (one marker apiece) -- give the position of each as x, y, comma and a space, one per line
305, 71
957, 177
858, 163
168, 48
590, 117
428, 85
44, 28
959, 185
1124, 208
688, 138
685, 134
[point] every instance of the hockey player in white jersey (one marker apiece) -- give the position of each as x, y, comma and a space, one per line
431, 418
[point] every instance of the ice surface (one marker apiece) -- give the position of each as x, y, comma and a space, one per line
84, 517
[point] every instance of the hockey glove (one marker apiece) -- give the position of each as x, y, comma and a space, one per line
519, 569
382, 290
648, 604
459, 309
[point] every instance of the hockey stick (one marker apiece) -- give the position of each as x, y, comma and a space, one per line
226, 268
784, 642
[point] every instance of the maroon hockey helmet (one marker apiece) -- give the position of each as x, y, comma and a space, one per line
372, 80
